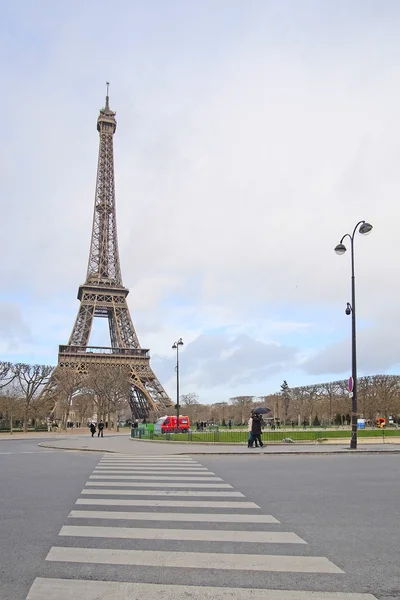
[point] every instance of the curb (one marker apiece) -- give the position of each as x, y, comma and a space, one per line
277, 453
297, 443
45, 445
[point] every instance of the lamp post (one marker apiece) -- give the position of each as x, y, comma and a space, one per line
363, 228
176, 347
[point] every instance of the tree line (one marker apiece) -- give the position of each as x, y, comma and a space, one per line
31, 393
325, 403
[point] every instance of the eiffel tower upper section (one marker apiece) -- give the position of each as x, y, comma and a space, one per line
103, 294
104, 267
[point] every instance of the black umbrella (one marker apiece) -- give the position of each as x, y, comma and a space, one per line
261, 410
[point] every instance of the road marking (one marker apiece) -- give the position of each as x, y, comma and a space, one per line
199, 535
201, 494
115, 456
171, 517
161, 484
153, 462
157, 466
182, 461
70, 589
99, 470
149, 456
171, 503
155, 477
194, 560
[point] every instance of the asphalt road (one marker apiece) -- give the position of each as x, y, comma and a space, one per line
37, 490
346, 508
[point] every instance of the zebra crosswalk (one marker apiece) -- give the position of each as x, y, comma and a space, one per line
143, 525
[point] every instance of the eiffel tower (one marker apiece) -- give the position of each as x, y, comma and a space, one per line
103, 295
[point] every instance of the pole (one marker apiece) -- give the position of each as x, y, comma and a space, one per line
354, 415
177, 387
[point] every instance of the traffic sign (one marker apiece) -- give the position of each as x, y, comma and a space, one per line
350, 384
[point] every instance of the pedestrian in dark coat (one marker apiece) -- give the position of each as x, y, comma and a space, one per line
256, 428
92, 428
101, 427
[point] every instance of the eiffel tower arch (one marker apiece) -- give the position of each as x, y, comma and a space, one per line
104, 296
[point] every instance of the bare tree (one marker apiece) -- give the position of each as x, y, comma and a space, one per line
67, 382
30, 381
111, 390
82, 406
11, 406
190, 403
242, 406
219, 411
331, 390
7, 374
387, 392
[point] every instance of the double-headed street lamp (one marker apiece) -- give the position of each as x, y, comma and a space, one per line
363, 228
176, 347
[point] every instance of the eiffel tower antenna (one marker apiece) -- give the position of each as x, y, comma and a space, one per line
104, 296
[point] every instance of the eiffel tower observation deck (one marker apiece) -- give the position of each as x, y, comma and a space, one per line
104, 296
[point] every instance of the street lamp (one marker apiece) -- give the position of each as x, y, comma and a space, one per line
176, 347
364, 228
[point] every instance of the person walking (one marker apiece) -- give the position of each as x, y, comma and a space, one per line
101, 427
92, 428
250, 438
256, 428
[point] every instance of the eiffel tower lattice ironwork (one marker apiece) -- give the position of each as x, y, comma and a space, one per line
103, 295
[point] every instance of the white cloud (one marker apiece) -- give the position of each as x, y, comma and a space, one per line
245, 148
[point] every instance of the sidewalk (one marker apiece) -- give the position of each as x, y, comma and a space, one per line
122, 443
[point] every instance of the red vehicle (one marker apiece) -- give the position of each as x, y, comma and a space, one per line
169, 424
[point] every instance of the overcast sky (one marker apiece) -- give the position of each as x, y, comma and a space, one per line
252, 134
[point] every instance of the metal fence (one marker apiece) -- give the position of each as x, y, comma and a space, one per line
268, 437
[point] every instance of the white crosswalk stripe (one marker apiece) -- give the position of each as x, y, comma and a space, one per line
109, 538
174, 466
156, 477
169, 463
137, 533
70, 589
163, 485
169, 503
124, 470
197, 494
194, 560
173, 517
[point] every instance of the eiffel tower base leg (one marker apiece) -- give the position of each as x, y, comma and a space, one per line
139, 404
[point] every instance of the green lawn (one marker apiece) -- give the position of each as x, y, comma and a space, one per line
272, 436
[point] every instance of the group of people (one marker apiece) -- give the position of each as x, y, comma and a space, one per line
256, 423
201, 425
92, 428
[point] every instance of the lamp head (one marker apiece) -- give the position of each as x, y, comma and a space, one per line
174, 347
340, 249
180, 342
365, 228
348, 309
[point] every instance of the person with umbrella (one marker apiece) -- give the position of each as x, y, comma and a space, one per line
257, 423
256, 428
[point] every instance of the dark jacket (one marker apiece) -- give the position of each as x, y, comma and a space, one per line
257, 424
101, 426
